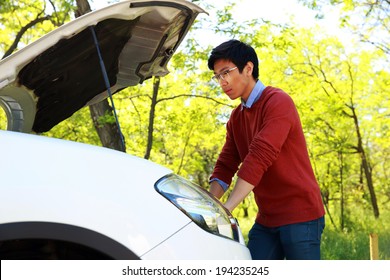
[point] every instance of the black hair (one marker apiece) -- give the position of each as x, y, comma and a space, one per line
237, 52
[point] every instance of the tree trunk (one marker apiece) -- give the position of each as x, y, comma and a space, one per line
341, 166
109, 133
156, 85
365, 165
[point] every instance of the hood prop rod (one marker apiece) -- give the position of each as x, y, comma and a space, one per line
107, 83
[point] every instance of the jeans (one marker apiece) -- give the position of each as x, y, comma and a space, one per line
299, 241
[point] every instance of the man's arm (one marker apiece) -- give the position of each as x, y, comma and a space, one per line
240, 191
216, 189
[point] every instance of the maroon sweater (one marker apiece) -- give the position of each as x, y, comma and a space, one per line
268, 141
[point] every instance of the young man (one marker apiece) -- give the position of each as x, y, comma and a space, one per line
265, 146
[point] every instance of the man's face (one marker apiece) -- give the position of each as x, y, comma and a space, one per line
234, 83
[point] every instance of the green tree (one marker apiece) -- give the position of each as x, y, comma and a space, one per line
338, 86
370, 20
30, 20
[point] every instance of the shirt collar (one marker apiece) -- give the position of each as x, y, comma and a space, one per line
254, 96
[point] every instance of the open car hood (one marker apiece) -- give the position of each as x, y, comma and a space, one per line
50, 79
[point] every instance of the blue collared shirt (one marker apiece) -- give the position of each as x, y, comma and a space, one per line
253, 97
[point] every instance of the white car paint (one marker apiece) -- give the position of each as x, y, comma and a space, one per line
56, 181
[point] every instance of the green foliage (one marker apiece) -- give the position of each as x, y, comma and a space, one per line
328, 84
38, 17
354, 243
107, 118
78, 128
369, 19
3, 119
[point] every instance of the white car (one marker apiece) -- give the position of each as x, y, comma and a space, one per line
68, 200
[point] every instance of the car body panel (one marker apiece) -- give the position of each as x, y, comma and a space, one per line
44, 183
26, 231
48, 187
185, 246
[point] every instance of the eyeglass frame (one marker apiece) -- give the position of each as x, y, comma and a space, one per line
218, 77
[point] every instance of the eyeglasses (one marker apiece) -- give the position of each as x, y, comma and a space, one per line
224, 75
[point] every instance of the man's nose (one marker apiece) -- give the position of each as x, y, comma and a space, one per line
222, 82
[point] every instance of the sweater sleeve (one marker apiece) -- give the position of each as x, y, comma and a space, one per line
228, 160
279, 115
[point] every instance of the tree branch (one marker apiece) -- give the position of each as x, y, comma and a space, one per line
197, 96
21, 32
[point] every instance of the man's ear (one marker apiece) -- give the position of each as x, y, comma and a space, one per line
249, 68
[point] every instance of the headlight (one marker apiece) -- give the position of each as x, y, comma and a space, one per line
206, 211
